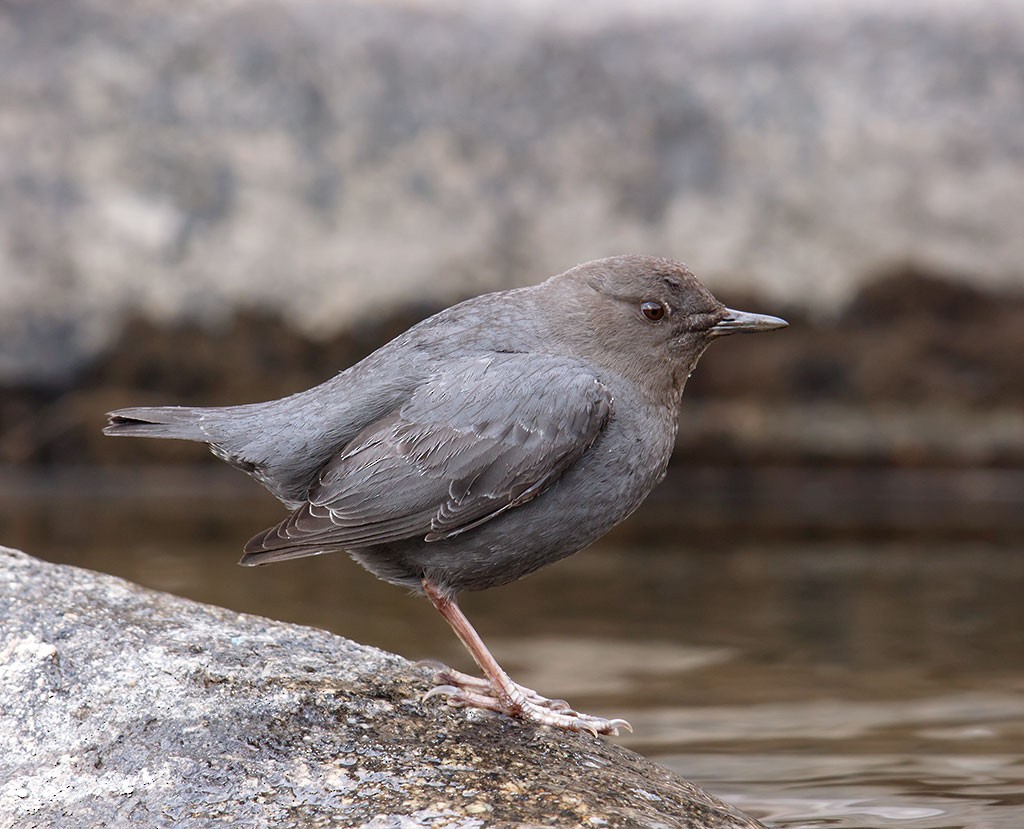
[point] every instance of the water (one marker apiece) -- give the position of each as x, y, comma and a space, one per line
811, 670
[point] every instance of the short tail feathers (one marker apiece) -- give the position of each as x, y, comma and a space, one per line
179, 422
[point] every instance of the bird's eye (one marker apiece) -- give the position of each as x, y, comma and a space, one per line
654, 311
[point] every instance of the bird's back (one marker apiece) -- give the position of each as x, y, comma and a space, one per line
285, 443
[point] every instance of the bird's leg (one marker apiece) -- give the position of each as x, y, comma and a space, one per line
497, 692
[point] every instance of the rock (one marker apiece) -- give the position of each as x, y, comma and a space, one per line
124, 706
326, 158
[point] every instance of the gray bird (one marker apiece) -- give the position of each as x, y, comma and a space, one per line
500, 435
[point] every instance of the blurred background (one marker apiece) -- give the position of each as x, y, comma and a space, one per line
819, 613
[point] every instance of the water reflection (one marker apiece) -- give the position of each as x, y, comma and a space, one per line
831, 682
901, 791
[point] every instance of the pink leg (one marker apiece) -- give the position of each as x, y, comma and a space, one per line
498, 692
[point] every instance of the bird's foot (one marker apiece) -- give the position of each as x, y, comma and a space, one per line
466, 691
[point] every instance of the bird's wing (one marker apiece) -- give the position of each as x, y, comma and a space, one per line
476, 439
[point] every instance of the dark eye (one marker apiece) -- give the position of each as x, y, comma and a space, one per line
654, 311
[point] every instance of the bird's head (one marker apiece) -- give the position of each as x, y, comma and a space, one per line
646, 318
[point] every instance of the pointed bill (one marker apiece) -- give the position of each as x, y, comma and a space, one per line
739, 322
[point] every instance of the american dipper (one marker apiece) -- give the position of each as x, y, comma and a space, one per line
496, 437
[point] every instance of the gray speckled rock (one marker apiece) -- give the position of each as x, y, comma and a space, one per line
322, 158
121, 706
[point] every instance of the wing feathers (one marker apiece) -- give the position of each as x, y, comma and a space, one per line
473, 441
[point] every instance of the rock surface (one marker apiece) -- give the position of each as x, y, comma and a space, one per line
121, 706
324, 157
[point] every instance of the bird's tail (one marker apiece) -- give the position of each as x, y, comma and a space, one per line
180, 422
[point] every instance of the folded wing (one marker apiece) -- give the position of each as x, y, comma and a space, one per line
480, 437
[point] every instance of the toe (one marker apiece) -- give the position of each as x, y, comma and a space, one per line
618, 723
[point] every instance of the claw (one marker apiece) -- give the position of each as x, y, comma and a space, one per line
435, 665
618, 723
440, 691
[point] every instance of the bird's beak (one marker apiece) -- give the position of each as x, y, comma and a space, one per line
740, 322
